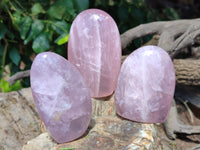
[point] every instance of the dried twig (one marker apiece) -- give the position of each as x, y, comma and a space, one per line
19, 75
174, 35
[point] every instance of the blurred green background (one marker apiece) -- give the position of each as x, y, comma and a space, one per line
28, 27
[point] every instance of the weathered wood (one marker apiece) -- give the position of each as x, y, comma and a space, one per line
19, 75
19, 121
187, 71
172, 124
174, 35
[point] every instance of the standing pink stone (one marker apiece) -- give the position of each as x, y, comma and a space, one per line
145, 87
61, 96
94, 47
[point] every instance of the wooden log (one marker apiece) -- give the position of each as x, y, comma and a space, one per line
187, 71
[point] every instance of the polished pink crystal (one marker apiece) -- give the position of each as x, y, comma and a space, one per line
94, 47
61, 96
145, 87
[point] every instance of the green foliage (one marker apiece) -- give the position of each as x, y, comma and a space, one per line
28, 27
6, 87
171, 14
14, 56
34, 26
81, 5
41, 43
37, 9
62, 39
3, 30
25, 25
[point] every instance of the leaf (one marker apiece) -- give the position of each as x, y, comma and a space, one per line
37, 9
14, 56
61, 26
36, 27
59, 8
49, 34
62, 39
16, 19
3, 30
68, 4
6, 87
81, 5
56, 12
25, 25
41, 43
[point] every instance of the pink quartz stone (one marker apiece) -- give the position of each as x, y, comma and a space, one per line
61, 96
145, 86
94, 47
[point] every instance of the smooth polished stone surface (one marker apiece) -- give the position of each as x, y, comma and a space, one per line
94, 47
61, 96
145, 87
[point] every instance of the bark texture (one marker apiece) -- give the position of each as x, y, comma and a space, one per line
187, 71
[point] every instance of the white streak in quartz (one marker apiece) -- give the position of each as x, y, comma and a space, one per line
86, 33
145, 108
98, 54
94, 66
73, 40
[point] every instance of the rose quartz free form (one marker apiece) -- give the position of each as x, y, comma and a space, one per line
61, 96
94, 47
145, 86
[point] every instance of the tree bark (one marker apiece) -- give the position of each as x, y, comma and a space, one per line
19, 75
187, 71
